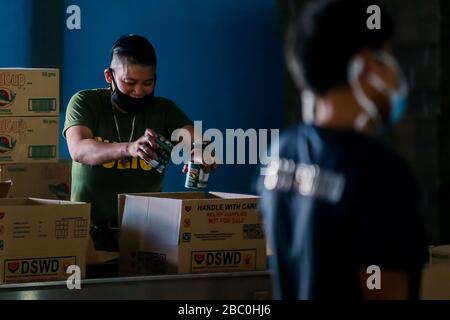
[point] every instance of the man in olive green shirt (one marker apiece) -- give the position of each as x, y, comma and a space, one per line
111, 135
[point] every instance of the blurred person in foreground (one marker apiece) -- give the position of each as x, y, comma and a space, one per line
341, 208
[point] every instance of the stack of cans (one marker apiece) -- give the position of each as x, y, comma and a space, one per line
164, 151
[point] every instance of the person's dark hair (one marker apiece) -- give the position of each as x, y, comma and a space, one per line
328, 35
135, 49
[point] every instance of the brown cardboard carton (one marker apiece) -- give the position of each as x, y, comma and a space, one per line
190, 233
29, 92
440, 254
436, 282
49, 180
29, 140
40, 238
436, 274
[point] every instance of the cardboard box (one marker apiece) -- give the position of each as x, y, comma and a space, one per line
40, 238
440, 254
436, 274
50, 180
435, 282
4, 188
190, 233
29, 92
29, 140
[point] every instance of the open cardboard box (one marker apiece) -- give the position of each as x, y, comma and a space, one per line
190, 232
40, 238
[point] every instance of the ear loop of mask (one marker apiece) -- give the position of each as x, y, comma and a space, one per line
371, 112
308, 106
307, 97
395, 113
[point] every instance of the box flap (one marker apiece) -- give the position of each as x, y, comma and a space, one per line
4, 188
142, 213
224, 195
170, 195
53, 202
35, 202
177, 195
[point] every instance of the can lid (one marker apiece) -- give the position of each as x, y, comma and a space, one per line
202, 143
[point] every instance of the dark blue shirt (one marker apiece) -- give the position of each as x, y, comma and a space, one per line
335, 202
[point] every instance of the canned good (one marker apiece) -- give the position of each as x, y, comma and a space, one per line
196, 178
165, 146
163, 155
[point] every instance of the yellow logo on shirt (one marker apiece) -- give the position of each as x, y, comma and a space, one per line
134, 164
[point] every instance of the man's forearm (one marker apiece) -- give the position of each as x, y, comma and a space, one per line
93, 152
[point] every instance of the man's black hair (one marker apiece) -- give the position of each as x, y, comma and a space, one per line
329, 34
135, 49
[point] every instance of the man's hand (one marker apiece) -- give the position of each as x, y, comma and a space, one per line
84, 148
145, 147
206, 167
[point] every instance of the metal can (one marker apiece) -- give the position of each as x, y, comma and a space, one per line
165, 147
163, 155
158, 164
196, 178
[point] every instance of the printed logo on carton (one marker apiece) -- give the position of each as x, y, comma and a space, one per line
17, 270
7, 143
187, 236
187, 223
223, 259
13, 125
7, 97
13, 266
12, 79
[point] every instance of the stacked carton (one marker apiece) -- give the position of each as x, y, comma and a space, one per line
49, 180
39, 238
436, 274
29, 134
29, 115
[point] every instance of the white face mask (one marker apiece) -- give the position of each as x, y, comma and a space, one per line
397, 98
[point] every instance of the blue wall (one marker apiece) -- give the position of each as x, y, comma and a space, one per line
219, 60
15, 49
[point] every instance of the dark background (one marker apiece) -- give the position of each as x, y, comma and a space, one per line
221, 61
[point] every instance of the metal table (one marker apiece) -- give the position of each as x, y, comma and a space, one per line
220, 286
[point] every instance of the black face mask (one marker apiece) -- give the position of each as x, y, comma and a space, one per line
127, 103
